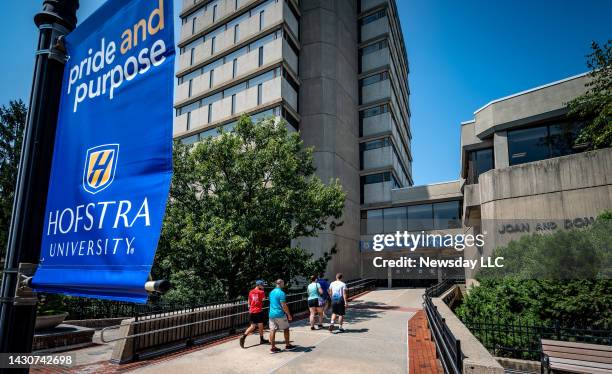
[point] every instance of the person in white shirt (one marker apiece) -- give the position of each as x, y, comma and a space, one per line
339, 301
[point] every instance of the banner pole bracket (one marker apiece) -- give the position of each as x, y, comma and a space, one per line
24, 294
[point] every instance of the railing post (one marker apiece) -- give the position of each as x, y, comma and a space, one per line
459, 356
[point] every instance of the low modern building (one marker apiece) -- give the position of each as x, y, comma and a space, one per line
336, 71
521, 172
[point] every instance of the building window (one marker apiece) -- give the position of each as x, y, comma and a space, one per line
236, 33
542, 142
259, 93
374, 111
379, 77
446, 215
479, 162
214, 12
211, 80
234, 67
234, 104
261, 19
260, 57
191, 56
188, 121
394, 219
375, 47
209, 113
193, 25
212, 45
375, 144
420, 217
372, 17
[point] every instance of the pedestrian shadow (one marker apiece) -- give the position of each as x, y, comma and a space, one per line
352, 331
301, 349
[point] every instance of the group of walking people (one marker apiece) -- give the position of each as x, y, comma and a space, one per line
322, 295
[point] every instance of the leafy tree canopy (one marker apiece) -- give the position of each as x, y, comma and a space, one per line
236, 203
595, 106
12, 123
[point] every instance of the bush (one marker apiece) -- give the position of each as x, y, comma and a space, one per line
563, 276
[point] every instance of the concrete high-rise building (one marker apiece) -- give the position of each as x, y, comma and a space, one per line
335, 70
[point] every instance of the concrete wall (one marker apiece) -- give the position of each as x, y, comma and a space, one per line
527, 106
575, 188
427, 193
328, 101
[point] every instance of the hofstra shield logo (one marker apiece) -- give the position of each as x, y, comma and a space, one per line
100, 166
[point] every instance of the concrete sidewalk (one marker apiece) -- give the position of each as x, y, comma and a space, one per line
375, 340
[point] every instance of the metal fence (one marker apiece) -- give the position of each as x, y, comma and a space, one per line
521, 339
448, 348
155, 332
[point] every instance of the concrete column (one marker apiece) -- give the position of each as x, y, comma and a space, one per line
328, 101
500, 149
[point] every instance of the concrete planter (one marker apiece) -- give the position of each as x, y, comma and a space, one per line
49, 322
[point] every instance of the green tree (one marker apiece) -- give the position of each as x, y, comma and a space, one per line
595, 106
236, 203
12, 123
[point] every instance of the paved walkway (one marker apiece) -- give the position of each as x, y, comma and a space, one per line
376, 340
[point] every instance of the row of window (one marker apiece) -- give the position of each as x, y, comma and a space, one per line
257, 81
373, 17
233, 57
435, 216
229, 126
378, 77
233, 24
542, 142
373, 48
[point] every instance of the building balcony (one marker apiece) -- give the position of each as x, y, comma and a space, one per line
205, 19
375, 91
374, 29
375, 60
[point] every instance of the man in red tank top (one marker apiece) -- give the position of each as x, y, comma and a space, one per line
256, 315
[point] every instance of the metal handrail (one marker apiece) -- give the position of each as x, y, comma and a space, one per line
448, 348
185, 324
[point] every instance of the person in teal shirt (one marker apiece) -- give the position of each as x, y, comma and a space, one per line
314, 291
279, 315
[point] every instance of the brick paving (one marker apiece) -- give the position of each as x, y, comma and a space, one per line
421, 349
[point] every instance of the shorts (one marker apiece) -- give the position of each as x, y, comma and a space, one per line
256, 318
279, 323
323, 302
338, 307
313, 303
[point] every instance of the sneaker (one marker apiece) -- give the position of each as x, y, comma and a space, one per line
264, 341
341, 329
320, 326
289, 347
331, 328
312, 328
242, 339
275, 350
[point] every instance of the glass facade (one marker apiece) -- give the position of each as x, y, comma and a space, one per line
479, 162
542, 142
421, 217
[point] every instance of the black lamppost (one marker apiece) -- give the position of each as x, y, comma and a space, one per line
17, 313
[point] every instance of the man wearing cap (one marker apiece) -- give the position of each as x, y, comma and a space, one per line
256, 316
279, 316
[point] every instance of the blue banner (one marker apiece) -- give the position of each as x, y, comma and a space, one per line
112, 161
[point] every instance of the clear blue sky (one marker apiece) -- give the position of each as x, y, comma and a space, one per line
462, 55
